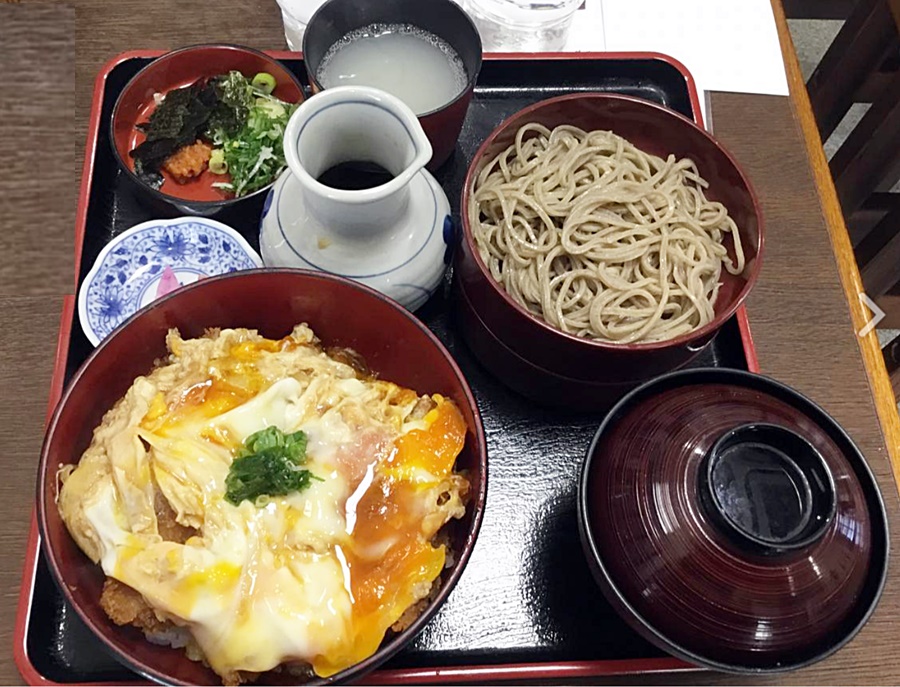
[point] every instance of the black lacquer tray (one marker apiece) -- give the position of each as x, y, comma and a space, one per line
526, 607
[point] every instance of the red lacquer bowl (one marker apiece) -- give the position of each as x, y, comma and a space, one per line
732, 522
588, 363
395, 345
174, 70
443, 18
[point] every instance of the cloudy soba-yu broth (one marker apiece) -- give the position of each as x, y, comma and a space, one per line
421, 69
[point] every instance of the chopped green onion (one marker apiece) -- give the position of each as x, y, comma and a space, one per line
264, 82
269, 464
217, 164
274, 109
250, 132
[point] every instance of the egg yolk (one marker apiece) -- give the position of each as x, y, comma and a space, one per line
388, 558
236, 382
435, 448
385, 583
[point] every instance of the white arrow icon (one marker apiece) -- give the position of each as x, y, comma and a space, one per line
877, 314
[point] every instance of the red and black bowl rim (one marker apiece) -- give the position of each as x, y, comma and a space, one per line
200, 205
877, 571
393, 643
685, 339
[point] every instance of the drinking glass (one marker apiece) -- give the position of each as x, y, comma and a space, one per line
296, 15
522, 25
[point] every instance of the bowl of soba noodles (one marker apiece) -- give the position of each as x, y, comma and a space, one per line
606, 240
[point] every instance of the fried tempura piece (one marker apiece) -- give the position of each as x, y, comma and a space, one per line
188, 162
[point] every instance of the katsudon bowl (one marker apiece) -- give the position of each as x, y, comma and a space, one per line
394, 345
557, 368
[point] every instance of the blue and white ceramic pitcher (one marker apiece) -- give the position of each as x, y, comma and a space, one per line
394, 236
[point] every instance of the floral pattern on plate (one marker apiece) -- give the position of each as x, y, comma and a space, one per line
132, 268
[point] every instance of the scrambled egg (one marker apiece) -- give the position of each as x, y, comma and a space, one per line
314, 577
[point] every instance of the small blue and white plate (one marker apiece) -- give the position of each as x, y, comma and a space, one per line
151, 259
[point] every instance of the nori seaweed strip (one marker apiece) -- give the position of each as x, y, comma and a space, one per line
179, 120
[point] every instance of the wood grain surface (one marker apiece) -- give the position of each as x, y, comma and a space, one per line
38, 189
37, 148
803, 324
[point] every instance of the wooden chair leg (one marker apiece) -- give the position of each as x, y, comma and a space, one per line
878, 256
879, 80
872, 211
860, 47
871, 154
892, 362
818, 9
889, 304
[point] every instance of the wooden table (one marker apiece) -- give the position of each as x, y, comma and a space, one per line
804, 312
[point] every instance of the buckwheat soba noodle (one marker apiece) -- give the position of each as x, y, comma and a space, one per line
599, 238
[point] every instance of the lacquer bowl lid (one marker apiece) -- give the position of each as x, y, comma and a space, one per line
732, 522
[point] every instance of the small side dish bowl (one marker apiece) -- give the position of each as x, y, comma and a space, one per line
443, 18
732, 522
150, 260
587, 363
395, 346
178, 69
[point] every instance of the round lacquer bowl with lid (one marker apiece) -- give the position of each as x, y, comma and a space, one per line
732, 522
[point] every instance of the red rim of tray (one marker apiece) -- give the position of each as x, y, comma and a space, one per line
560, 670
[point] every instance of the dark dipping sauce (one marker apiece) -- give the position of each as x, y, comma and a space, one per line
355, 176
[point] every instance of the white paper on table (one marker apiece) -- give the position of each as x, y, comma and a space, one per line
587, 31
727, 45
